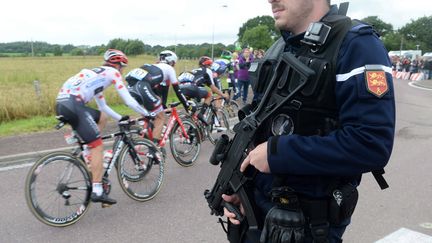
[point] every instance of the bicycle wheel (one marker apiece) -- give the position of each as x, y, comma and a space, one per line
185, 151
58, 189
232, 109
218, 125
138, 182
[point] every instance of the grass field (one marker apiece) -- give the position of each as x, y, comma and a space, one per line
21, 100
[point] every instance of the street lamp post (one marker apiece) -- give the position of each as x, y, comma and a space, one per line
213, 29
212, 46
175, 39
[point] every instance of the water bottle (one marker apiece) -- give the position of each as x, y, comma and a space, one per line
70, 138
107, 158
86, 154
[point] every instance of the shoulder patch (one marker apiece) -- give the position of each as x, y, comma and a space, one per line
376, 82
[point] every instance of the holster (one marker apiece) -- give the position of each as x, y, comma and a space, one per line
342, 203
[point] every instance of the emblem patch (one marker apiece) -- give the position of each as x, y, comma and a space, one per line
282, 124
376, 82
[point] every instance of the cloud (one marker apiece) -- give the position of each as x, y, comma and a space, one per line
95, 22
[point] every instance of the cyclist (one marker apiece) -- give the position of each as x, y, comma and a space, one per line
192, 83
145, 81
80, 89
219, 68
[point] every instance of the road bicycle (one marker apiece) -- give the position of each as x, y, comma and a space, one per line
58, 186
182, 134
215, 121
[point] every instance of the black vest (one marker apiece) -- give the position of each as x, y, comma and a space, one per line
314, 110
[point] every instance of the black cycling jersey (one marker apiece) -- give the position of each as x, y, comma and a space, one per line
202, 77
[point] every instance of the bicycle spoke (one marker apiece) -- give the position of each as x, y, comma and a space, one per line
185, 143
58, 189
143, 183
219, 125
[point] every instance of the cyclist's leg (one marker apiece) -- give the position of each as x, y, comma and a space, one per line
218, 84
147, 97
88, 129
204, 93
162, 91
85, 121
158, 125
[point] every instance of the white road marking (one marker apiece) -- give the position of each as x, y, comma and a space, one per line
404, 235
12, 167
418, 87
426, 225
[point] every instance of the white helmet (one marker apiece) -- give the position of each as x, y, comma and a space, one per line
168, 57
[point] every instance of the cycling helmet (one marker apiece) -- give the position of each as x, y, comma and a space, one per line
219, 66
168, 57
205, 61
226, 55
114, 56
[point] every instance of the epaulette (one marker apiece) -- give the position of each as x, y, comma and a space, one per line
361, 28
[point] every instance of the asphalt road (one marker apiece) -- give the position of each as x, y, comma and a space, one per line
179, 212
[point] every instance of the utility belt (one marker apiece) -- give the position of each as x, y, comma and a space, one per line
294, 216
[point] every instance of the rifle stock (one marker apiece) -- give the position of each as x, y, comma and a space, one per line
231, 153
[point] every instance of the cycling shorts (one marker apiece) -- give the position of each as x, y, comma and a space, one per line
162, 91
83, 119
144, 94
192, 91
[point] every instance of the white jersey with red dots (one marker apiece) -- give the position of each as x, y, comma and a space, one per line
90, 83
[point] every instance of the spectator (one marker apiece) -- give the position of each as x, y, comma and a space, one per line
232, 72
260, 54
427, 67
243, 82
406, 62
414, 65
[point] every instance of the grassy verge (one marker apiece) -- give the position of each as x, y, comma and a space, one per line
47, 123
43, 123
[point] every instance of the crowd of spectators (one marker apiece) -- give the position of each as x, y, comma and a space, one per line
241, 61
418, 64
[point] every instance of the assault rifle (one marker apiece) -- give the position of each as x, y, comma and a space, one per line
289, 77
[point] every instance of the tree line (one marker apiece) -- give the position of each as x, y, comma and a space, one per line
414, 35
130, 47
258, 33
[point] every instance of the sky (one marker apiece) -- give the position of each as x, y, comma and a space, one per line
168, 22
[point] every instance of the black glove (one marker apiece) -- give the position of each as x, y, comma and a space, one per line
282, 225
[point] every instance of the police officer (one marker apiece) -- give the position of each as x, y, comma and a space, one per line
311, 154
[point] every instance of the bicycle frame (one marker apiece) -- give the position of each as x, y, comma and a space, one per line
66, 197
122, 139
174, 116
